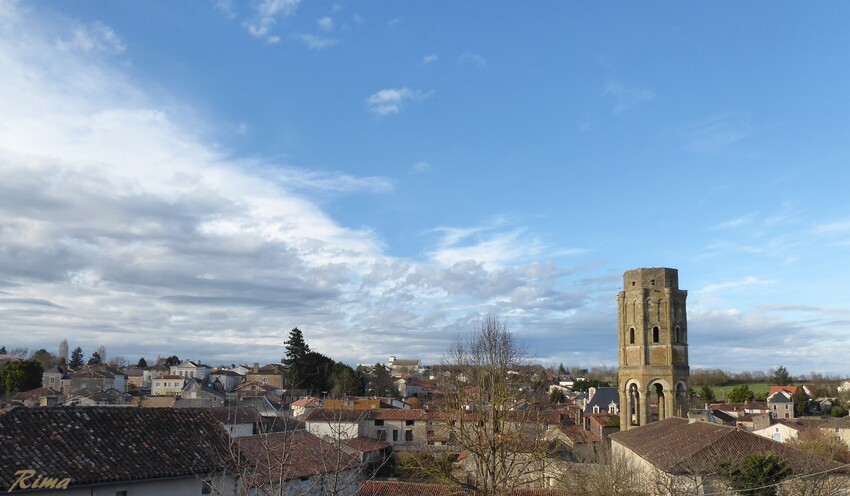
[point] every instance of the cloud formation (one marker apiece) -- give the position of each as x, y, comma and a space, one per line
393, 100
265, 17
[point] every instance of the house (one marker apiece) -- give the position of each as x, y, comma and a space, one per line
408, 387
304, 406
336, 424
98, 378
271, 374
168, 385
686, 457
75, 451
191, 369
155, 372
781, 431
87, 397
197, 389
844, 387
229, 379
238, 421
42, 396
298, 463
135, 377
57, 378
400, 368
780, 402
603, 400
398, 427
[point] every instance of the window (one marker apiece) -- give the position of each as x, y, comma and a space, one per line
379, 423
408, 435
655, 334
408, 422
395, 435
678, 334
632, 335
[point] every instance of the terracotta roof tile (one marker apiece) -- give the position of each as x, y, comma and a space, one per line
328, 415
676, 446
397, 414
291, 455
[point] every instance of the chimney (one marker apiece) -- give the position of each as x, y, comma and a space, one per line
256, 368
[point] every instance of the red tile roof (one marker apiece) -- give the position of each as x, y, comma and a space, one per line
392, 488
342, 416
677, 446
397, 414
285, 456
365, 444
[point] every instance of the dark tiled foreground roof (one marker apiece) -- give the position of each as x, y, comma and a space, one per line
103, 444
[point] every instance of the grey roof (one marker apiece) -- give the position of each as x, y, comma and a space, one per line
603, 397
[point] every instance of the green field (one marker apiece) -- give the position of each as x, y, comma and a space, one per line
720, 391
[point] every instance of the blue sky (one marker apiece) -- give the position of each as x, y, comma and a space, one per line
199, 177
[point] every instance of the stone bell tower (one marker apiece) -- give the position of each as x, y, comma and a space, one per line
653, 336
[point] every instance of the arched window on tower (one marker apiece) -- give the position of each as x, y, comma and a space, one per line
655, 334
678, 334
632, 335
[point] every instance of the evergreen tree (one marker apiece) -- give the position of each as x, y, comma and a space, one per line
296, 347
801, 402
44, 357
781, 377
2, 350
706, 394
76, 358
740, 394
172, 361
757, 474
95, 359
381, 381
22, 375
345, 381
142, 363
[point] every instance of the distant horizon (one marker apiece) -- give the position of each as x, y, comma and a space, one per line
199, 178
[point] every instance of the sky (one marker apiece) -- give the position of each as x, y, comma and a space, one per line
198, 178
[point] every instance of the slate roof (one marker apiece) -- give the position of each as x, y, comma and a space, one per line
101, 444
230, 415
677, 446
603, 397
291, 455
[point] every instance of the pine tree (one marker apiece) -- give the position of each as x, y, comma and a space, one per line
95, 359
296, 348
2, 350
142, 363
76, 358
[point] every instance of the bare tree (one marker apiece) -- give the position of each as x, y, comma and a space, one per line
485, 415
101, 350
615, 474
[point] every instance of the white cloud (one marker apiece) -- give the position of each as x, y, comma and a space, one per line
266, 15
735, 285
226, 7
314, 42
94, 37
717, 132
392, 100
325, 23
473, 59
429, 59
421, 167
737, 222
625, 97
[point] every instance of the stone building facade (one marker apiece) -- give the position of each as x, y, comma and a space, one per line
653, 346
